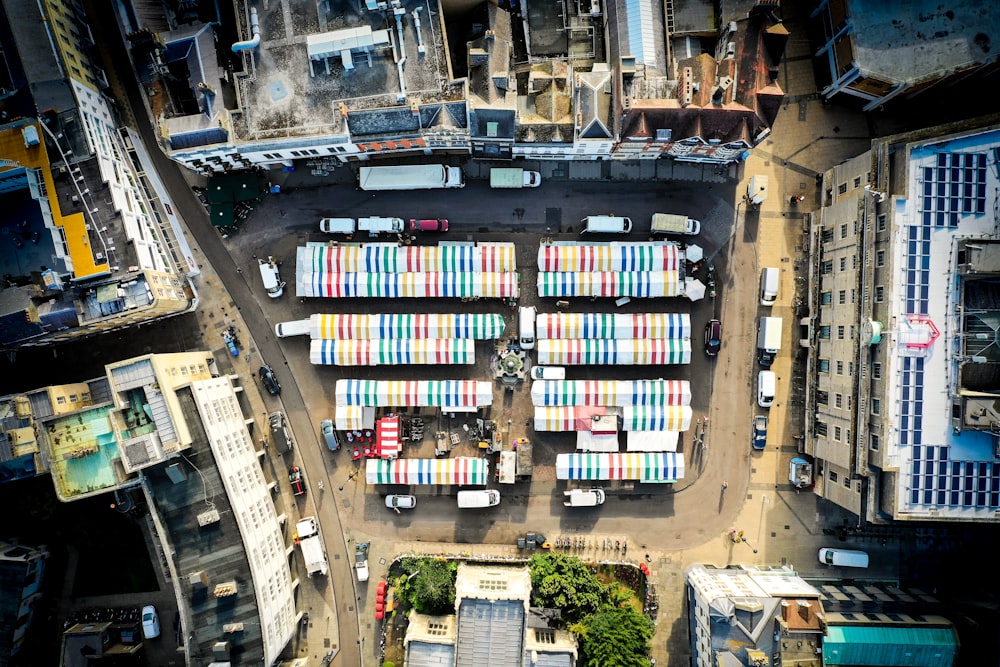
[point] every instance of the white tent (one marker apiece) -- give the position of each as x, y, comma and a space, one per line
610, 392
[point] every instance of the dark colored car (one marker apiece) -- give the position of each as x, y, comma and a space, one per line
269, 380
758, 434
713, 337
279, 432
295, 479
429, 225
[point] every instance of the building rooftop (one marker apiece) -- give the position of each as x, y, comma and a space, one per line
314, 57
921, 40
949, 193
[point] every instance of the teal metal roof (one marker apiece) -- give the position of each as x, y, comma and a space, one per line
890, 645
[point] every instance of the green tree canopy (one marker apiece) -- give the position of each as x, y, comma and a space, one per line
565, 583
428, 585
615, 637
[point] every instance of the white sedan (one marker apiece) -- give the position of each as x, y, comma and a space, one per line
398, 502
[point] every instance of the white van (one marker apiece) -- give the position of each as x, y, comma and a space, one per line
548, 372
765, 388
584, 497
843, 557
269, 275
480, 498
296, 328
606, 224
337, 225
769, 286
526, 337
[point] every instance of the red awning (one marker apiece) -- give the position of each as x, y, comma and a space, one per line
387, 437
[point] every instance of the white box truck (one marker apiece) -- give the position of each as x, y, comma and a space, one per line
273, 284
670, 223
508, 178
606, 224
307, 535
526, 327
337, 225
378, 225
410, 177
768, 340
757, 190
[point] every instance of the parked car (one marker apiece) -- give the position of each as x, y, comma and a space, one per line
329, 435
361, 560
429, 225
295, 479
279, 432
758, 435
398, 502
713, 337
269, 380
150, 622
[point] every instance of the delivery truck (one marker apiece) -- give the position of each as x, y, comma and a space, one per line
757, 190
307, 535
410, 177
768, 340
376, 225
670, 223
508, 178
273, 284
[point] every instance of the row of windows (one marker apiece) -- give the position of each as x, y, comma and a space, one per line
834, 477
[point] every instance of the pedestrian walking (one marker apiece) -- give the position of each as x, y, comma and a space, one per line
725, 485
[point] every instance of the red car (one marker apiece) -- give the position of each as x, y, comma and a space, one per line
295, 479
430, 225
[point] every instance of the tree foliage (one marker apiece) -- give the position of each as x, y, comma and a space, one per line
428, 585
615, 637
564, 582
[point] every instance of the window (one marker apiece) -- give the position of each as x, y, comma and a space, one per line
876, 406
824, 332
821, 429
879, 293
857, 181
850, 368
852, 332
843, 263
840, 332
827, 235
824, 365
877, 370
849, 397
852, 295
880, 224
836, 433
822, 397
842, 297
833, 476
873, 442
840, 368
880, 258
843, 231
838, 400
60, 400
847, 482
826, 298
842, 188
854, 261
826, 267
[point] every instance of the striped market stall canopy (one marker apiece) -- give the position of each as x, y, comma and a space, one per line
563, 418
353, 417
394, 258
401, 285
616, 352
393, 352
657, 467
388, 441
656, 418
459, 471
613, 325
449, 395
402, 326
639, 284
652, 441
616, 257
610, 392
567, 418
